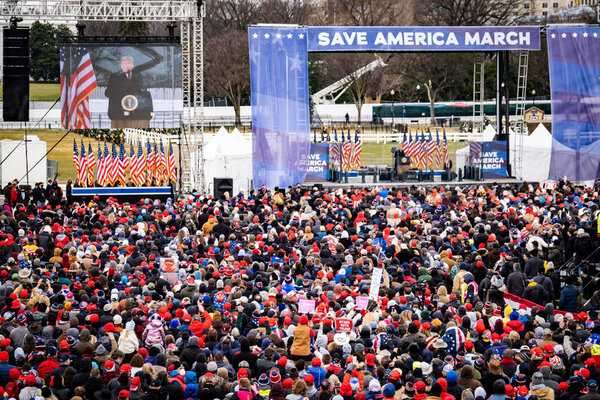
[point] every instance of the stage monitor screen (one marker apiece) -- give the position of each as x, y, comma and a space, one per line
120, 85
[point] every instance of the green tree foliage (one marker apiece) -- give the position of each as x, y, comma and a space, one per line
44, 42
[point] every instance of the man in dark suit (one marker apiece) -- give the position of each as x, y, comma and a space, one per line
129, 103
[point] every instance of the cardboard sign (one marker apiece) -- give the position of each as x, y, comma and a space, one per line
362, 302
375, 283
306, 306
343, 325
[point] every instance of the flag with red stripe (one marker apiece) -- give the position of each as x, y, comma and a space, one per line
171, 165
150, 164
138, 167
75, 158
77, 85
122, 166
103, 166
91, 165
82, 176
112, 176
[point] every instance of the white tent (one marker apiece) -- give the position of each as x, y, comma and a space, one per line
536, 152
12, 153
229, 156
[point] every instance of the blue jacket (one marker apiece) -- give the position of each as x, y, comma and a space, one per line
568, 298
319, 373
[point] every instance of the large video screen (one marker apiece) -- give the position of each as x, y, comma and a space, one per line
115, 85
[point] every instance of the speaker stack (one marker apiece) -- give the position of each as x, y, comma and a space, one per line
15, 72
222, 185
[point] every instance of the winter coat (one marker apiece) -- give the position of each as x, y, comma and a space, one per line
568, 298
128, 342
301, 344
542, 393
154, 333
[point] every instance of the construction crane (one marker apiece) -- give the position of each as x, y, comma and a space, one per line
333, 92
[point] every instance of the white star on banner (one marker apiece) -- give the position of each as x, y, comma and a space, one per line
564, 35
301, 36
295, 63
277, 39
255, 35
553, 36
267, 35
595, 35
289, 36
574, 35
585, 34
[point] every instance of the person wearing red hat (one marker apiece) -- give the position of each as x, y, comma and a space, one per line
5, 366
317, 371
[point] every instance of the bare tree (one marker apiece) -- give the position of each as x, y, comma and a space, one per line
436, 75
227, 68
466, 12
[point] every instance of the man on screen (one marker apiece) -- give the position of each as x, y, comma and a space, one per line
129, 103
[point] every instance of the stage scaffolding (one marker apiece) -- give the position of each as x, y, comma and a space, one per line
188, 13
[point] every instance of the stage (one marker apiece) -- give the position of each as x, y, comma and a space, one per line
144, 191
387, 184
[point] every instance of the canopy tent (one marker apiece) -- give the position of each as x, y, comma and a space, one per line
536, 151
228, 155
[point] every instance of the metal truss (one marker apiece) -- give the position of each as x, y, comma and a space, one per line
100, 10
190, 13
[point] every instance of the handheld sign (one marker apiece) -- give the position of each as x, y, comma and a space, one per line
375, 283
306, 306
343, 325
362, 302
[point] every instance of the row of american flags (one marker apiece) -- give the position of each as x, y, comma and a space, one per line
152, 167
424, 151
347, 153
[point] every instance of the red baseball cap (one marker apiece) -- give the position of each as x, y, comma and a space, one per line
124, 394
370, 359
309, 379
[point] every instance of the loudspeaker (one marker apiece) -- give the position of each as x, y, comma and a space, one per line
16, 69
222, 185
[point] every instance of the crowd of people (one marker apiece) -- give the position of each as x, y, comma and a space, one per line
304, 293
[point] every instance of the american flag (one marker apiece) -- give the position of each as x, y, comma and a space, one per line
99, 165
408, 145
455, 339
430, 150
122, 163
112, 176
439, 154
130, 161
77, 82
419, 150
347, 155
171, 165
445, 146
334, 155
82, 173
138, 167
75, 157
104, 164
355, 158
162, 164
91, 164
150, 163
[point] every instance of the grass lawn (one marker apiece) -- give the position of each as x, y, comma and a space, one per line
42, 91
381, 154
63, 152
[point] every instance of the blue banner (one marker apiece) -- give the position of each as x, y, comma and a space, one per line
316, 164
575, 85
423, 38
491, 157
280, 104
